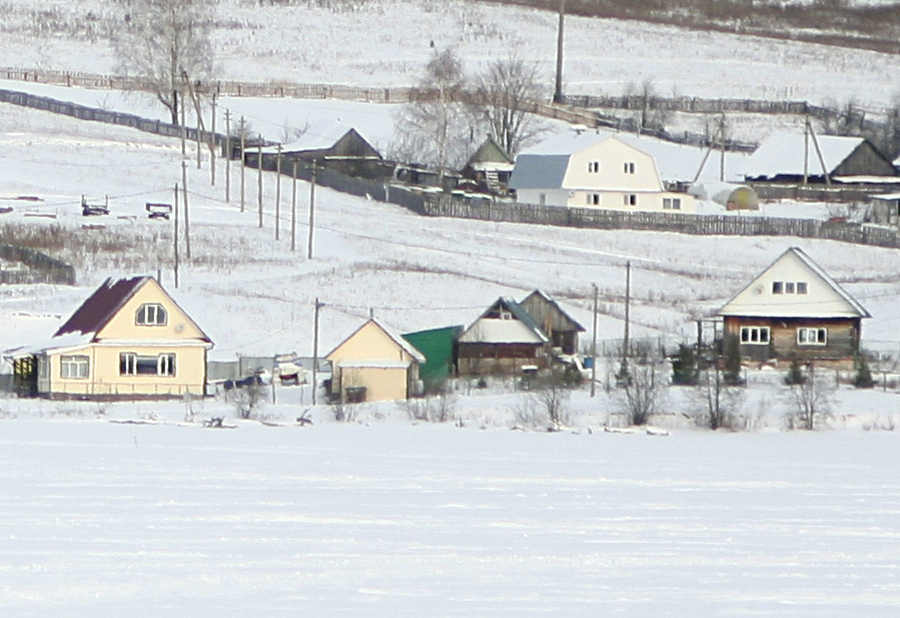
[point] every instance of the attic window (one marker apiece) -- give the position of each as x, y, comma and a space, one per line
151, 314
628, 168
790, 287
594, 167
505, 315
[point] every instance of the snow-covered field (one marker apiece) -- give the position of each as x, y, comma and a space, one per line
384, 517
392, 520
388, 42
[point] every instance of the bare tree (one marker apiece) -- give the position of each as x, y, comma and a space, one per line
504, 93
436, 129
167, 42
720, 401
643, 390
812, 399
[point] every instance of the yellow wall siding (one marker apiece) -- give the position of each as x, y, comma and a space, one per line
369, 343
381, 383
123, 325
104, 376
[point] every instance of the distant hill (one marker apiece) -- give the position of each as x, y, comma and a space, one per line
864, 24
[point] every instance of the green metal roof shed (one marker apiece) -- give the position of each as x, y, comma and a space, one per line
439, 347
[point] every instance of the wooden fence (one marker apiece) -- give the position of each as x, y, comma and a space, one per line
41, 267
448, 206
681, 223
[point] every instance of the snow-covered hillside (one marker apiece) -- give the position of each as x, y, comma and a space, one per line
388, 42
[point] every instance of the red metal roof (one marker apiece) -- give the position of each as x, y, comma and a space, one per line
101, 306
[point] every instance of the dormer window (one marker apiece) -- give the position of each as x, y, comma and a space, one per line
151, 314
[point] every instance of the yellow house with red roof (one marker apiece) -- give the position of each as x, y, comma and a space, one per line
129, 339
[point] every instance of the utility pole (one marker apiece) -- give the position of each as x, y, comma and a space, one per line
243, 163
722, 147
212, 144
187, 217
819, 153
277, 192
315, 349
228, 156
623, 371
175, 236
294, 206
312, 210
558, 93
594, 345
183, 132
259, 190
806, 151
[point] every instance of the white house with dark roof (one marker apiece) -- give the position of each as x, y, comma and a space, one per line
794, 309
594, 169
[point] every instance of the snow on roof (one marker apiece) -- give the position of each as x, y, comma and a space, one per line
377, 364
675, 162
318, 136
69, 340
101, 306
783, 153
887, 196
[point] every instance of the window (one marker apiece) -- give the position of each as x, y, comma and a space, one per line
630, 199
593, 199
628, 168
131, 364
73, 367
812, 336
594, 167
755, 335
790, 287
151, 314
671, 203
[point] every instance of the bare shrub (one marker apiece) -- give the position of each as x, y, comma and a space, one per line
812, 399
546, 404
247, 400
642, 393
344, 412
721, 403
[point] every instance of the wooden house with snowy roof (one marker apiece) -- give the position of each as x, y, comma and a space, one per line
503, 340
374, 364
794, 309
128, 340
790, 157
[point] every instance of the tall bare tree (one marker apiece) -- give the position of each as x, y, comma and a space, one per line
505, 92
435, 128
167, 42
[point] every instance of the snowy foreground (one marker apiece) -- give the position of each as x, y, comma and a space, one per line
389, 518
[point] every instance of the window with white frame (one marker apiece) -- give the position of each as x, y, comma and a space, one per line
74, 367
755, 335
593, 199
630, 199
151, 314
131, 364
671, 203
594, 167
628, 167
812, 336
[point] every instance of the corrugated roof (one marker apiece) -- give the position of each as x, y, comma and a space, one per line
101, 306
